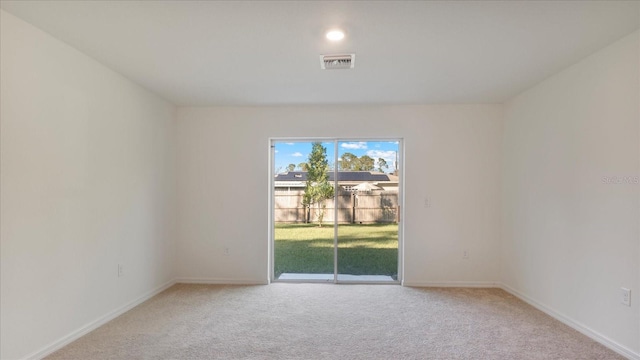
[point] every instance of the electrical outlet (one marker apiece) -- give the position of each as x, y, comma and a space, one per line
465, 254
626, 296
120, 270
427, 202
226, 251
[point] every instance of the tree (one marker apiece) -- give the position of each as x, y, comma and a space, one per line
348, 162
291, 167
351, 162
382, 164
366, 163
303, 166
317, 188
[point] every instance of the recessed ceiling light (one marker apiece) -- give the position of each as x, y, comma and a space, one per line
335, 35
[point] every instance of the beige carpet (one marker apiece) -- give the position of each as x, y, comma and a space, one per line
325, 321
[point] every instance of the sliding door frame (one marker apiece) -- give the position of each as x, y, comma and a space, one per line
271, 204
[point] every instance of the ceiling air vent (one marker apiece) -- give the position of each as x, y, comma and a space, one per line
331, 62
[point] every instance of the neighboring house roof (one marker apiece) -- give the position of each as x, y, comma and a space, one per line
345, 176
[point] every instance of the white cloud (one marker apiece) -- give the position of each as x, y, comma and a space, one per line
297, 154
389, 156
354, 145
290, 143
276, 151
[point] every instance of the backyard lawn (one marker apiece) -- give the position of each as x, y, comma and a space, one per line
362, 249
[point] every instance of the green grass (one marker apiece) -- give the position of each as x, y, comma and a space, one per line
362, 249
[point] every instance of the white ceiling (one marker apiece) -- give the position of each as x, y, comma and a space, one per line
250, 53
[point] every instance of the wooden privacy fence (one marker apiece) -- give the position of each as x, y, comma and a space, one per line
366, 208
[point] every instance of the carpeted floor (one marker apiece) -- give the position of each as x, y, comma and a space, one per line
325, 321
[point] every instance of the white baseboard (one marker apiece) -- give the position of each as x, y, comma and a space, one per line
65, 340
218, 281
620, 349
461, 284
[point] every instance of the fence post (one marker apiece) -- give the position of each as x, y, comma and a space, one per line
353, 208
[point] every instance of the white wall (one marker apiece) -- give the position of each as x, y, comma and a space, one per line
570, 239
86, 184
452, 156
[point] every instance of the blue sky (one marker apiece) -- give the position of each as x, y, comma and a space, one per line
298, 152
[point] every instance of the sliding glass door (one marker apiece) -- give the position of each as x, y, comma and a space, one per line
303, 232
335, 210
368, 198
